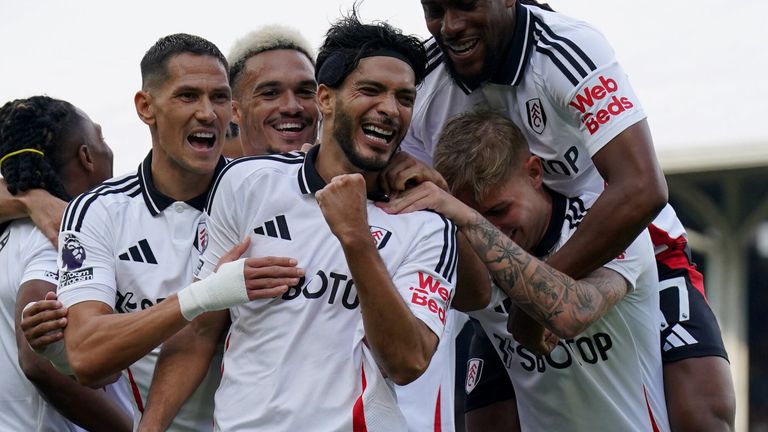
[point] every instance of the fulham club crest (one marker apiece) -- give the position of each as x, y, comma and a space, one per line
380, 235
474, 370
201, 240
537, 120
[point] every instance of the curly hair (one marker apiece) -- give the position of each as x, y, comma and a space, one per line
348, 41
40, 123
155, 60
267, 38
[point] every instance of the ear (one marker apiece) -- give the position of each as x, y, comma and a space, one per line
534, 170
326, 99
85, 158
236, 115
143, 102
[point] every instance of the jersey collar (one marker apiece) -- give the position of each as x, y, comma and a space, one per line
552, 234
309, 179
156, 201
511, 68
311, 182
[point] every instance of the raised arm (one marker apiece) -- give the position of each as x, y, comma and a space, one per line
635, 193
402, 344
44, 209
89, 408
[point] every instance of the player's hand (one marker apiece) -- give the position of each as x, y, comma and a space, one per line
43, 322
235, 253
428, 196
265, 277
404, 171
268, 277
306, 146
46, 212
343, 203
530, 333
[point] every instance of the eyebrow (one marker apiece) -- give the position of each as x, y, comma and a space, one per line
275, 83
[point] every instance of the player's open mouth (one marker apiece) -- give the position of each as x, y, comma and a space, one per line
380, 134
463, 47
292, 127
202, 140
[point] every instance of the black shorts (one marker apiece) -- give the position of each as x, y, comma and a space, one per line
690, 327
487, 380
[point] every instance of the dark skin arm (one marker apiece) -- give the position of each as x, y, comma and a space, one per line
89, 408
44, 209
635, 193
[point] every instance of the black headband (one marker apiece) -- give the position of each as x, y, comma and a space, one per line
335, 68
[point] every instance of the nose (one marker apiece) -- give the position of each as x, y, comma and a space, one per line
453, 23
291, 104
205, 112
388, 105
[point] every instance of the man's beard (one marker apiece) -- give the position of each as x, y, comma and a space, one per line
343, 133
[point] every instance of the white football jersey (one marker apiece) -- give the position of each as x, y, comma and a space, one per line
26, 254
299, 361
561, 84
428, 403
609, 377
127, 245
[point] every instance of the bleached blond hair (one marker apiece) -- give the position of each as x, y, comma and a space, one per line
267, 38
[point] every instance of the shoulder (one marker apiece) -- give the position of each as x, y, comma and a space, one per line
96, 201
241, 171
567, 48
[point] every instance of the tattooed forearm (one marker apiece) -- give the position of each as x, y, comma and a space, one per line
561, 304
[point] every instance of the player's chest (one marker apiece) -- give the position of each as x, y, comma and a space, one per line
156, 257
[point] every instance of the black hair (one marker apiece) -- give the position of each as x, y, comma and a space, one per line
154, 62
348, 41
39, 123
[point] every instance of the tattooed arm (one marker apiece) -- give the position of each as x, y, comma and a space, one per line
564, 306
561, 304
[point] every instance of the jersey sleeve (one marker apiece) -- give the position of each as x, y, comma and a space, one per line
40, 259
583, 79
221, 221
86, 260
635, 260
427, 276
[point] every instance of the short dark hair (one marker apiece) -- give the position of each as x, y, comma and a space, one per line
154, 62
37, 123
348, 41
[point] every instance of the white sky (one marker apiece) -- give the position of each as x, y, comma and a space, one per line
699, 67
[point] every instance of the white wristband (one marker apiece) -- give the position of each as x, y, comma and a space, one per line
219, 291
55, 352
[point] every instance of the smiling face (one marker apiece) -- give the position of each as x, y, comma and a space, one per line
470, 32
371, 111
275, 102
188, 114
519, 207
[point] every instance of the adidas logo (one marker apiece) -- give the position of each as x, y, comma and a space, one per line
277, 228
139, 253
678, 337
